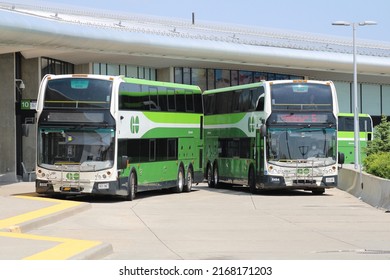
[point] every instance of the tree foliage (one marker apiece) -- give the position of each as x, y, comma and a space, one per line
381, 141
378, 164
377, 161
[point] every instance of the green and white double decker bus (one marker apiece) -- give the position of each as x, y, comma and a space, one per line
272, 135
108, 135
346, 135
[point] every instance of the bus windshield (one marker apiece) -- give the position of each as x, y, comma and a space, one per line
87, 150
301, 97
78, 93
291, 144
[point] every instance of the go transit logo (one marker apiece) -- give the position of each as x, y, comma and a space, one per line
134, 124
251, 124
303, 171
72, 176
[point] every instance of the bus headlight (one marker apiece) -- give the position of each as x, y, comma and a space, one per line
40, 173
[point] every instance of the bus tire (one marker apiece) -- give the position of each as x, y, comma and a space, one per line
209, 175
180, 180
252, 181
189, 181
215, 175
132, 186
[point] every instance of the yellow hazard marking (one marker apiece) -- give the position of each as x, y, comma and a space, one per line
65, 248
11, 223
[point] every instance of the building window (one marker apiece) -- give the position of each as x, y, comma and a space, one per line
218, 78
222, 78
199, 78
210, 79
55, 67
126, 70
246, 77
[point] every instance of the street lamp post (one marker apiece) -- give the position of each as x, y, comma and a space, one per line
355, 91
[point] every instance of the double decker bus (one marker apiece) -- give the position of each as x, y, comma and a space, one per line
109, 135
272, 135
346, 134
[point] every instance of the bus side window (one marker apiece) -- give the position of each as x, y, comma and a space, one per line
245, 101
171, 100
236, 101
153, 99
260, 103
189, 102
163, 98
198, 103
209, 102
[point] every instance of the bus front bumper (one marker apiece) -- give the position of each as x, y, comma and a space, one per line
96, 188
277, 182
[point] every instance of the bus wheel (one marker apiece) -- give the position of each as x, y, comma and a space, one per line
180, 180
132, 183
318, 191
210, 181
215, 175
252, 181
188, 186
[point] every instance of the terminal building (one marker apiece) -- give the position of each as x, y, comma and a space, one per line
37, 40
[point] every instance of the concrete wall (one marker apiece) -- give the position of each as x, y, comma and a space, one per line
8, 119
165, 74
375, 191
83, 68
31, 77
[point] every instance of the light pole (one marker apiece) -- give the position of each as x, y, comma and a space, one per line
355, 91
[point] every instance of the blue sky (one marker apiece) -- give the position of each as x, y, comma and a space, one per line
298, 15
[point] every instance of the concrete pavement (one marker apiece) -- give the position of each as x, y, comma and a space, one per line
206, 224
22, 211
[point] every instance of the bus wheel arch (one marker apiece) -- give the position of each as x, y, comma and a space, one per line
132, 185
189, 179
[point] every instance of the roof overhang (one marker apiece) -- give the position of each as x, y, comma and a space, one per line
82, 43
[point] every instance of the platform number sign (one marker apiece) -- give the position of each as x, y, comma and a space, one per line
28, 104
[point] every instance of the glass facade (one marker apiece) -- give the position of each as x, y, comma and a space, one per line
125, 70
217, 78
56, 67
372, 97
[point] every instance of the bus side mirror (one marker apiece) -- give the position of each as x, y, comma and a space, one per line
341, 158
263, 130
124, 161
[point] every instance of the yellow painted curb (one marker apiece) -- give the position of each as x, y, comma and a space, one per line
11, 223
66, 248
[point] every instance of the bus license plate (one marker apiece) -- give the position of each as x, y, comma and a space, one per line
103, 186
330, 180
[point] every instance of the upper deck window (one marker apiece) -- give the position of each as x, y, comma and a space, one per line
301, 97
78, 93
